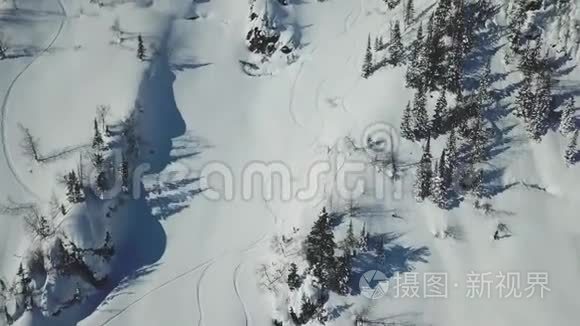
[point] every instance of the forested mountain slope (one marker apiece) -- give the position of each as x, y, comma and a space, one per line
289, 162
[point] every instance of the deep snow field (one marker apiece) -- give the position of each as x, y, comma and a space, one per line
184, 258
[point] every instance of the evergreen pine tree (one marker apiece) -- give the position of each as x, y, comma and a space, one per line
24, 290
294, 279
368, 60
44, 228
568, 119
78, 191
125, 174
307, 310
140, 48
20, 273
447, 170
571, 151
72, 188
441, 15
407, 124
439, 190
409, 13
455, 68
516, 21
98, 160
97, 139
479, 139
539, 123
484, 91
420, 116
418, 62
424, 174
477, 189
525, 99
530, 60
363, 240
434, 49
451, 150
396, 45
380, 251
342, 274
102, 182
320, 247
438, 123
350, 243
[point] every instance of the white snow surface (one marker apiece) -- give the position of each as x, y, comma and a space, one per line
197, 260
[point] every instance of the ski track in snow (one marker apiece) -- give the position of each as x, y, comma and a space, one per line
323, 80
293, 95
318, 93
237, 290
347, 23
205, 265
198, 294
146, 294
3, 108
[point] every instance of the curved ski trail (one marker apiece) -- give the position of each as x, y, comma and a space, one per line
237, 290
3, 108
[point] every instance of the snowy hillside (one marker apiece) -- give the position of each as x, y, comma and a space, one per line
289, 162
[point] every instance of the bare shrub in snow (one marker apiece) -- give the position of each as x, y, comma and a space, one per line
29, 144
271, 276
102, 114
38, 224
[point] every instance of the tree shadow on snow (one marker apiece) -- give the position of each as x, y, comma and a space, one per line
140, 239
397, 258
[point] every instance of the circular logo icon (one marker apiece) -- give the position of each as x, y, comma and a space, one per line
373, 284
381, 137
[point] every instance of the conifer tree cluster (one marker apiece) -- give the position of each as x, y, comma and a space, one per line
262, 37
409, 14
415, 124
332, 272
294, 279
367, 68
379, 43
98, 156
23, 289
74, 189
571, 153
320, 249
516, 20
424, 174
568, 118
396, 49
534, 98
436, 64
439, 180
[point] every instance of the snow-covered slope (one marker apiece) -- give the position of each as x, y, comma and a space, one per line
199, 108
